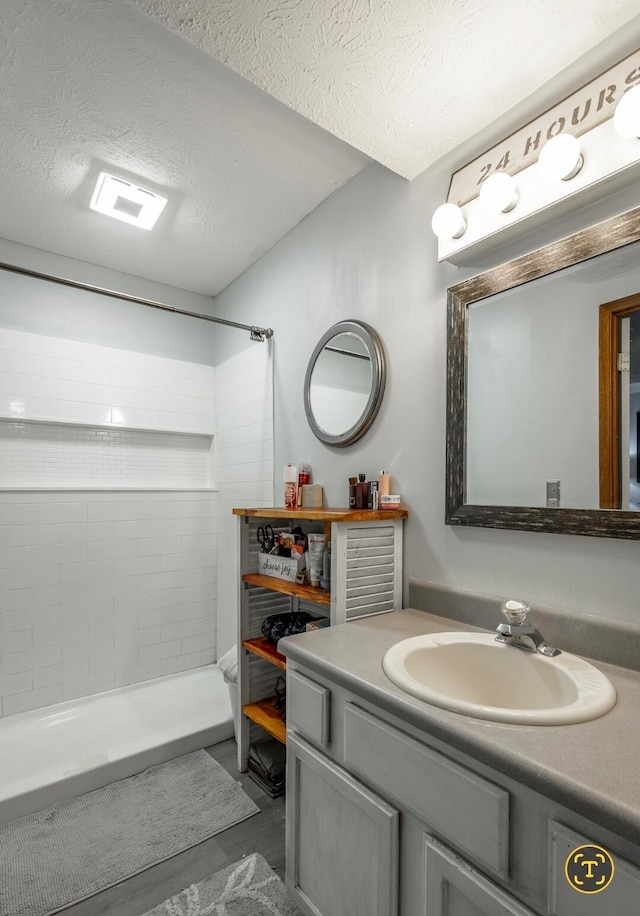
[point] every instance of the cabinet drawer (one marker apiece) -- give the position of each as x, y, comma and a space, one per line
620, 896
308, 708
469, 811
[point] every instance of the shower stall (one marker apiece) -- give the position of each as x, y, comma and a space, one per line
129, 428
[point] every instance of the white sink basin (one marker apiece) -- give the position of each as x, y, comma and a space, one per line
472, 674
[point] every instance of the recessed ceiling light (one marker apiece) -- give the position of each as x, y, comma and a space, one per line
126, 201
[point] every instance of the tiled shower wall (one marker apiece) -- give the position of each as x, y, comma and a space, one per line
100, 588
244, 454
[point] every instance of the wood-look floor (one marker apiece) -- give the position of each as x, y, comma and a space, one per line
263, 833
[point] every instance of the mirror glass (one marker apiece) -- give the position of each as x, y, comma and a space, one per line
344, 383
542, 424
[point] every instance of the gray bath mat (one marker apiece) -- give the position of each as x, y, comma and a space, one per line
248, 888
78, 847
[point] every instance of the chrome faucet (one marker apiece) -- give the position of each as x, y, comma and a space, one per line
517, 632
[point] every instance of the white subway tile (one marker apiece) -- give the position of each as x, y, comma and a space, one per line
88, 570
18, 641
60, 633
104, 664
189, 560
10, 557
158, 581
57, 513
31, 699
161, 545
88, 609
58, 674
27, 576
16, 683
100, 626
124, 623
198, 643
159, 651
15, 514
136, 638
12, 340
85, 687
31, 659
85, 372
204, 575
181, 663
185, 628
29, 618
157, 616
111, 550
48, 554
137, 673
91, 647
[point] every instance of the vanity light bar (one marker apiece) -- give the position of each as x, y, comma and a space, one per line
484, 197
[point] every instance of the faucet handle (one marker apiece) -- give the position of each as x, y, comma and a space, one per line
515, 612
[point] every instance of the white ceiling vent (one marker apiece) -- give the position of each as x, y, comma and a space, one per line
126, 201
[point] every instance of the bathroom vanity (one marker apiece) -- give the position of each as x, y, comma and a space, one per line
396, 807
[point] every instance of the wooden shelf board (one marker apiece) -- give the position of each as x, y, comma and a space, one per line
267, 650
318, 595
265, 714
327, 515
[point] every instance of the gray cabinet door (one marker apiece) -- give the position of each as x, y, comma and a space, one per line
342, 840
453, 888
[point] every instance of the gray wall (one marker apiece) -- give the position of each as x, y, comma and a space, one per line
368, 253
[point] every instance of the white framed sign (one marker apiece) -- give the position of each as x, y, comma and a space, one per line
580, 112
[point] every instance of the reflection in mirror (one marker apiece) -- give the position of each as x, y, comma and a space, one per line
340, 384
542, 425
344, 383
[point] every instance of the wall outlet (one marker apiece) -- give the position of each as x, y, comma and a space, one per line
553, 494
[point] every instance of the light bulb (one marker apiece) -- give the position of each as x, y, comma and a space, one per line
499, 193
448, 222
626, 118
560, 158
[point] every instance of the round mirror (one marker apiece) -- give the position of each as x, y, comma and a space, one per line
344, 383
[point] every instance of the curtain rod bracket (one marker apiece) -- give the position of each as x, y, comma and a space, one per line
258, 334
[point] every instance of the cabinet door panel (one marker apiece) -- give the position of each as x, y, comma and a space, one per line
619, 898
467, 810
342, 840
453, 888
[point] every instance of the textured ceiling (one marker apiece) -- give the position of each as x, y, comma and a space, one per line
92, 84
249, 113
405, 81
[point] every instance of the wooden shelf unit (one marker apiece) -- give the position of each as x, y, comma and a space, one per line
366, 578
266, 650
265, 714
317, 595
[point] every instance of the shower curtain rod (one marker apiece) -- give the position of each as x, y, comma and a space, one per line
257, 334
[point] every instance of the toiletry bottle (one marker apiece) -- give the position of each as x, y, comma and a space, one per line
362, 492
290, 486
373, 494
353, 482
326, 567
383, 483
304, 477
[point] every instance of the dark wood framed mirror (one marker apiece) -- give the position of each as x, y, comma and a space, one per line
534, 388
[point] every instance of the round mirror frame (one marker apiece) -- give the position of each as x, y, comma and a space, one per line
374, 348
